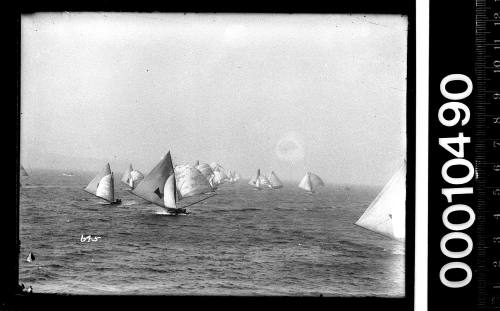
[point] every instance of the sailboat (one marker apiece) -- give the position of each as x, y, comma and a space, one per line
310, 181
160, 186
264, 181
220, 174
135, 178
132, 177
236, 176
386, 214
206, 170
126, 176
102, 186
275, 182
256, 181
22, 172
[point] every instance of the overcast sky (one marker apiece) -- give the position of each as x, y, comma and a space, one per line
289, 93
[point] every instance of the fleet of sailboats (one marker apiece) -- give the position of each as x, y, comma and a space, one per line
103, 186
166, 186
387, 213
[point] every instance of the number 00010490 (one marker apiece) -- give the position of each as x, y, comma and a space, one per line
460, 117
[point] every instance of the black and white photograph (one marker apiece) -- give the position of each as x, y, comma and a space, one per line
213, 154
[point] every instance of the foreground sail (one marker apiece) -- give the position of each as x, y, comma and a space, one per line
310, 182
102, 186
160, 185
274, 181
386, 214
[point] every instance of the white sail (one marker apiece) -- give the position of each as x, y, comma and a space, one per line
264, 181
106, 189
275, 181
254, 179
135, 178
311, 181
206, 170
257, 183
190, 181
126, 176
152, 187
219, 177
102, 185
316, 181
305, 183
220, 174
386, 214
170, 192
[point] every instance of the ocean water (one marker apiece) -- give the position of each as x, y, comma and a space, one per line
239, 242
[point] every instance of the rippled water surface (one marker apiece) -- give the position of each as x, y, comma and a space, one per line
239, 242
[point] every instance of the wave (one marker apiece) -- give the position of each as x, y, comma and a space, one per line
129, 203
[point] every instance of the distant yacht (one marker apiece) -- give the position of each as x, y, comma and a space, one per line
102, 186
132, 177
310, 182
22, 172
207, 171
68, 174
386, 214
160, 186
274, 181
256, 181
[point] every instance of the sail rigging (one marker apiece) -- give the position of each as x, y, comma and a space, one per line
386, 214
